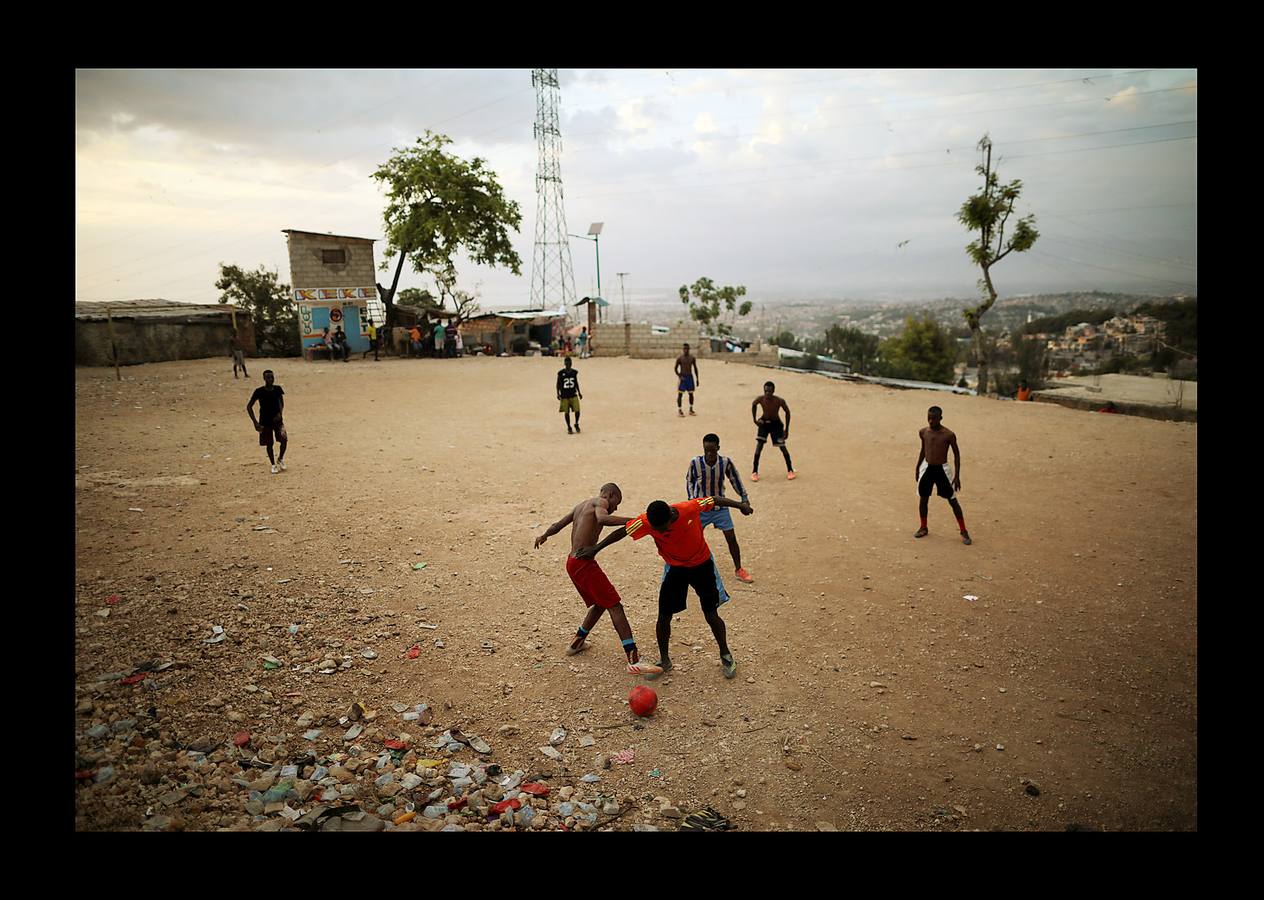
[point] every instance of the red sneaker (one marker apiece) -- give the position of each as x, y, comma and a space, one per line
791, 476
754, 476
743, 575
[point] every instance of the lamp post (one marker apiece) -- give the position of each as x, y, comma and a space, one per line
594, 235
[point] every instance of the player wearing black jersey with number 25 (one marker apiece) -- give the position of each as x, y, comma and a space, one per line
569, 395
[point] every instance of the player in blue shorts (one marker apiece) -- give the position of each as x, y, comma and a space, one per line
705, 478
689, 378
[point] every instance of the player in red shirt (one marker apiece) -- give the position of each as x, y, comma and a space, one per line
677, 532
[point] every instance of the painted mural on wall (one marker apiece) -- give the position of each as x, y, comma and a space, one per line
319, 308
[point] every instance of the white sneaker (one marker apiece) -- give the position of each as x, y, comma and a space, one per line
281, 463
275, 469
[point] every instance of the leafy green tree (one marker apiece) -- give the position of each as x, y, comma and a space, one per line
987, 213
923, 351
272, 309
417, 298
851, 345
439, 205
705, 300
785, 339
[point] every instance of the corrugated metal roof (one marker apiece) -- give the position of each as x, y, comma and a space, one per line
151, 309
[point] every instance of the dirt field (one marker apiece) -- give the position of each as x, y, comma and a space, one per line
870, 694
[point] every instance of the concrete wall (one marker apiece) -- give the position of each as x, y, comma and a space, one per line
158, 340
638, 340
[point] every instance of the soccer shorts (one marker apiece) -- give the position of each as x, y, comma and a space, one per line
592, 583
938, 477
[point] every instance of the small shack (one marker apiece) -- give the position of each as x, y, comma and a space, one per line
333, 280
424, 318
516, 331
146, 331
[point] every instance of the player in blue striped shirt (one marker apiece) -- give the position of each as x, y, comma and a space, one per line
705, 478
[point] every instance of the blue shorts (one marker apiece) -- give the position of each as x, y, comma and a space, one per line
720, 518
686, 383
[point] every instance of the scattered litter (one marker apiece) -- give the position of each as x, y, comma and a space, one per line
241, 738
625, 756
970, 597
706, 820
550, 752
428, 627
134, 509
414, 651
655, 773
135, 679
312, 734
419, 565
395, 745
271, 662
558, 735
112, 599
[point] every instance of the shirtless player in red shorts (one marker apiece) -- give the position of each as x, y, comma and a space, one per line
586, 521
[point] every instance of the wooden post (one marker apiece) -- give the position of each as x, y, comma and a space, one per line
232, 309
109, 325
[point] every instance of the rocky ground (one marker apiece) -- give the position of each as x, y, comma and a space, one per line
369, 641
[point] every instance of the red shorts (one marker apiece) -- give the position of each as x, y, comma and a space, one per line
592, 583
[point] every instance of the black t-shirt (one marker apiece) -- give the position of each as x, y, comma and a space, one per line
269, 402
568, 382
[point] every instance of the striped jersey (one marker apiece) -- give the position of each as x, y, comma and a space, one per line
702, 480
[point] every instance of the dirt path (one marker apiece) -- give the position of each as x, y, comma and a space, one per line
870, 694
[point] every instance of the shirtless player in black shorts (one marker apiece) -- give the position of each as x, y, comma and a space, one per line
769, 423
933, 472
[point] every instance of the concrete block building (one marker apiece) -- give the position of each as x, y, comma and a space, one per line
334, 281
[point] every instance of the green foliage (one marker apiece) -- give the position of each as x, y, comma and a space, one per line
439, 205
923, 351
786, 339
715, 307
987, 213
1182, 322
1030, 356
272, 311
417, 298
853, 346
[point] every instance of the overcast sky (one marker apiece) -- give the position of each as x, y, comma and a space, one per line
793, 182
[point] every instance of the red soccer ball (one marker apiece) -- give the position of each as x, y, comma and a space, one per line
642, 700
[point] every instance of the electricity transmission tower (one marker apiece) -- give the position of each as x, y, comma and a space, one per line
552, 278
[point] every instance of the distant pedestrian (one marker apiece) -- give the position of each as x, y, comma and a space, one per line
237, 348
1024, 392
341, 347
372, 342
583, 343
460, 343
414, 343
440, 335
